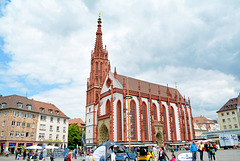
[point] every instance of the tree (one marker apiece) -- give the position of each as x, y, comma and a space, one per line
74, 136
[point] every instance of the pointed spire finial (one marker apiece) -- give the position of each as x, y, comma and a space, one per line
99, 14
176, 85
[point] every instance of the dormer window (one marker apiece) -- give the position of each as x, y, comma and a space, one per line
50, 111
57, 112
20, 105
3, 105
29, 107
42, 109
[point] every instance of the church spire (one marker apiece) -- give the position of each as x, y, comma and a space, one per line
98, 49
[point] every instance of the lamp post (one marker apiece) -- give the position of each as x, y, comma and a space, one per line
128, 97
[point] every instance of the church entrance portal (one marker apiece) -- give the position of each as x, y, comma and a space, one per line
103, 134
159, 139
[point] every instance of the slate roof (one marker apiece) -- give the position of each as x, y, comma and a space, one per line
133, 85
231, 104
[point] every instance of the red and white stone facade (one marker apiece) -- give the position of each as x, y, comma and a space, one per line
151, 104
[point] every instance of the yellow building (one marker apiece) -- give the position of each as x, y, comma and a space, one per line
228, 115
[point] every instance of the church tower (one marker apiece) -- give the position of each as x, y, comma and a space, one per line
100, 66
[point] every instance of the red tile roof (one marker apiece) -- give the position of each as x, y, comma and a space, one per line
77, 121
202, 120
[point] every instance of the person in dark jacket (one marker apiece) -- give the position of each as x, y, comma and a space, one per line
52, 158
212, 151
162, 155
207, 146
24, 154
16, 154
41, 156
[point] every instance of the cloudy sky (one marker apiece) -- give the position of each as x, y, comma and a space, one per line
45, 48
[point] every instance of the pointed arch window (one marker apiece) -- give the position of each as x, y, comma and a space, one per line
145, 120
155, 112
172, 122
133, 120
108, 107
119, 121
96, 67
164, 119
101, 68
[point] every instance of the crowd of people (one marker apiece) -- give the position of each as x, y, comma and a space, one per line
210, 148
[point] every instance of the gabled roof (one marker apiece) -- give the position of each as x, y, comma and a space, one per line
47, 107
12, 101
133, 85
77, 121
202, 120
231, 104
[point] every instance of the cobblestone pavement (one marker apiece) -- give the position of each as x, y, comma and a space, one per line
221, 155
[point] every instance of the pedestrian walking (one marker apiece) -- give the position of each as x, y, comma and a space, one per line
44, 153
16, 154
194, 150
69, 157
91, 157
161, 156
102, 158
24, 154
173, 158
41, 156
52, 158
212, 151
200, 148
207, 149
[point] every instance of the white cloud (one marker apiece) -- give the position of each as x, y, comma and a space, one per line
50, 43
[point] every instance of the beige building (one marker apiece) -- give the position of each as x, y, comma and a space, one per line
20, 120
228, 115
203, 124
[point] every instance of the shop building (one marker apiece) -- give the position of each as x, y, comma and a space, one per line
21, 124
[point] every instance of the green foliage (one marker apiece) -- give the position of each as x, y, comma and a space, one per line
74, 136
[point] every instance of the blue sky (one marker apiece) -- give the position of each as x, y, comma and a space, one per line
45, 48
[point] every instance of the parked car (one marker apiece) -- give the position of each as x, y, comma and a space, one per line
145, 154
124, 155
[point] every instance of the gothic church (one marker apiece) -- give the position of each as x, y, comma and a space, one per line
158, 113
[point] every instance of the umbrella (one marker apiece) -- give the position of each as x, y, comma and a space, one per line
51, 147
34, 147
